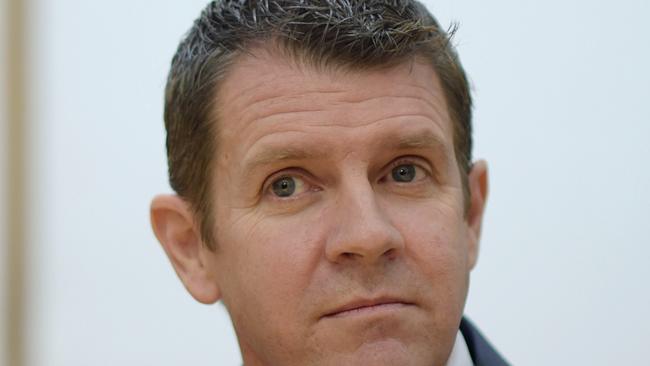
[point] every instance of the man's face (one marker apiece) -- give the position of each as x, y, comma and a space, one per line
340, 231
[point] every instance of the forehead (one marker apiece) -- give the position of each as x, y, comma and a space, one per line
264, 93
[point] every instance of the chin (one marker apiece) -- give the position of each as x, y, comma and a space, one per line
388, 352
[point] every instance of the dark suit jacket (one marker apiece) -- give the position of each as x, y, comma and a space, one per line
483, 354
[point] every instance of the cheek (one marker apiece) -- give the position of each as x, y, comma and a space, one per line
435, 228
268, 264
437, 243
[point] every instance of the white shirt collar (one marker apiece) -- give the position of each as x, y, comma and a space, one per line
460, 353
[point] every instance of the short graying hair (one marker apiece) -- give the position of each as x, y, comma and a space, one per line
356, 35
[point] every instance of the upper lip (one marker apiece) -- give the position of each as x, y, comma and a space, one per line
363, 302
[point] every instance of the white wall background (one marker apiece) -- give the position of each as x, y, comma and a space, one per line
562, 89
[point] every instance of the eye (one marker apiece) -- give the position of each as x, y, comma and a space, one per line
405, 173
287, 186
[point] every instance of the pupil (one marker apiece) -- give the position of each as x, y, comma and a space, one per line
284, 187
404, 173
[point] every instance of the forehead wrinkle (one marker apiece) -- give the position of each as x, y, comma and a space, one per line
412, 117
268, 84
377, 99
424, 108
265, 106
274, 67
291, 94
248, 99
264, 98
309, 113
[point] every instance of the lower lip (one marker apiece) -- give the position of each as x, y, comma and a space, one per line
370, 310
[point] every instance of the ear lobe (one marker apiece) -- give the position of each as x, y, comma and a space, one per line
478, 187
174, 226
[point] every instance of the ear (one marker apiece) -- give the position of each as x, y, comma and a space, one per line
478, 188
173, 224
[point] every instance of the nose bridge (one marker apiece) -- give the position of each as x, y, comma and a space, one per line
363, 231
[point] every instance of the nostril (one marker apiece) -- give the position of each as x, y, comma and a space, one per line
389, 253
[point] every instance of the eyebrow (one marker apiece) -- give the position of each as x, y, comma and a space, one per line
420, 140
280, 154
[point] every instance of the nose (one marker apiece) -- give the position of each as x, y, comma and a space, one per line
362, 230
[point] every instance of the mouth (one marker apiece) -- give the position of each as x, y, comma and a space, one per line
367, 307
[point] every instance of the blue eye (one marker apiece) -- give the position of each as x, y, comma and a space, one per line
288, 186
284, 187
404, 173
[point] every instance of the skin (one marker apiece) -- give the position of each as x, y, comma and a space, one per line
349, 234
